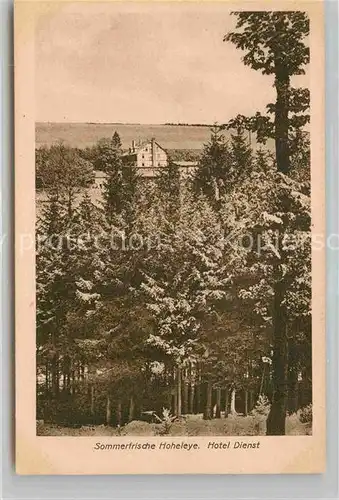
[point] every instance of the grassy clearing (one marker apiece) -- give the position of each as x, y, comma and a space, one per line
190, 426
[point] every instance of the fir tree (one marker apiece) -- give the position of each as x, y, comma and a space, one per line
184, 283
240, 158
52, 280
130, 193
113, 186
108, 155
116, 141
168, 190
212, 175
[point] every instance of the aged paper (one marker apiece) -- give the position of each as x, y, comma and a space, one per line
170, 237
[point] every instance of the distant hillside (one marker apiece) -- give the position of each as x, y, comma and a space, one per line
171, 136
86, 134
188, 125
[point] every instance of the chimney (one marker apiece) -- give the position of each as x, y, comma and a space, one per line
133, 146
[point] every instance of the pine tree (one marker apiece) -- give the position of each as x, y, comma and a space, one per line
113, 186
108, 154
130, 194
263, 161
185, 279
116, 141
168, 187
66, 269
52, 280
240, 158
212, 176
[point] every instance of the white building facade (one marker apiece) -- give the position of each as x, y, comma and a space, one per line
148, 157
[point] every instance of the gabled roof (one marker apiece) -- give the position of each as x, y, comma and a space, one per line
141, 146
155, 142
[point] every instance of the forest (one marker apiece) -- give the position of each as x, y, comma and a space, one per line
184, 298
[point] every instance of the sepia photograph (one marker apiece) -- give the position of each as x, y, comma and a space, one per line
173, 250
176, 202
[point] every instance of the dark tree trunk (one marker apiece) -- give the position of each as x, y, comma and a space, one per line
198, 398
227, 410
246, 403
292, 391
131, 409
47, 380
218, 404
208, 407
250, 401
168, 381
178, 392
92, 400
198, 391
55, 384
70, 203
169, 401
233, 392
108, 410
191, 388
175, 402
191, 401
54, 370
186, 388
305, 387
175, 392
262, 380
72, 382
66, 367
277, 415
119, 413
282, 85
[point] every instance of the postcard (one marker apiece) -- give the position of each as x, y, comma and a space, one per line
170, 237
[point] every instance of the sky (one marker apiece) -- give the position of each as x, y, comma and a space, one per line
141, 63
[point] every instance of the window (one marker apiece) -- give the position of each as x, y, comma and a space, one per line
143, 164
